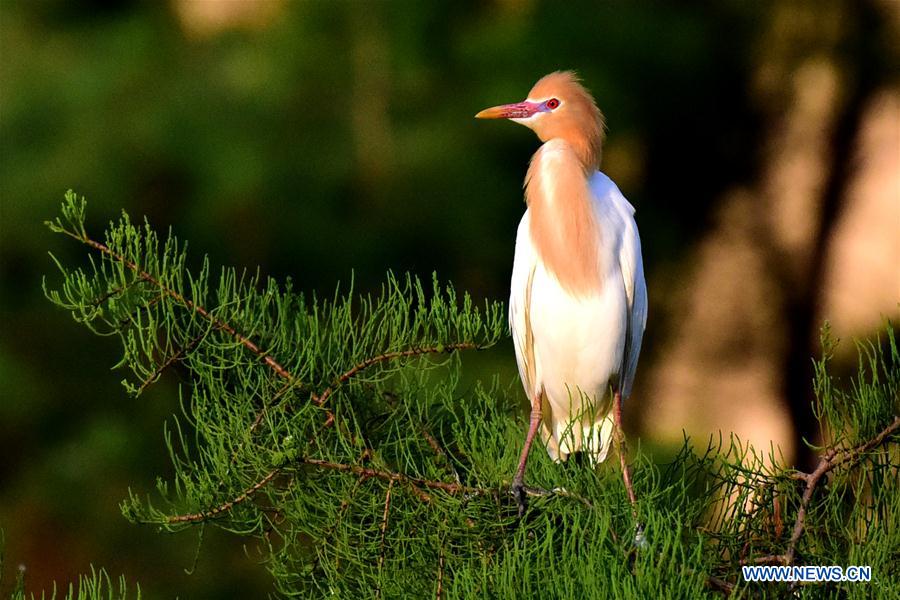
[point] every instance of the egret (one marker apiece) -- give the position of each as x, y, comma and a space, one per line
578, 299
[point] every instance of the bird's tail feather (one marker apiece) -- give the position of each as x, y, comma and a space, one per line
598, 438
567, 437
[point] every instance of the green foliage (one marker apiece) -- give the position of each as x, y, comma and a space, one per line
336, 436
96, 586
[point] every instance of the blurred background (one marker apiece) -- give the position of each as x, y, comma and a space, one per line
759, 142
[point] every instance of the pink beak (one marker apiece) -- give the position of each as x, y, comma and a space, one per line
518, 110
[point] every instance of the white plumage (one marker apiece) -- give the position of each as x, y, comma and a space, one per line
574, 348
578, 303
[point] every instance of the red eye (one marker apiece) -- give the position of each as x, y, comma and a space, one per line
552, 103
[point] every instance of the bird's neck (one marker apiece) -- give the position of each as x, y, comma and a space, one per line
563, 225
583, 136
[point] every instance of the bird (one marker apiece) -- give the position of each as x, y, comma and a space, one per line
578, 297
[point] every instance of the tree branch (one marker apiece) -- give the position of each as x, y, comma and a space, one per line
432, 441
218, 510
439, 451
829, 461
364, 472
176, 356
832, 459
189, 304
115, 291
344, 377
319, 399
384, 526
440, 573
449, 487
720, 585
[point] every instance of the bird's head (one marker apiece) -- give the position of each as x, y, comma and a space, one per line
558, 107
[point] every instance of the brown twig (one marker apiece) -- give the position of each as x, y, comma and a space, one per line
384, 526
440, 573
414, 483
346, 375
421, 494
439, 451
319, 399
432, 441
776, 516
561, 492
191, 305
216, 511
832, 459
768, 559
449, 487
342, 509
720, 584
176, 356
130, 318
116, 291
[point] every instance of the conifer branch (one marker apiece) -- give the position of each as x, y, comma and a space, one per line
116, 290
439, 451
319, 399
225, 507
432, 442
387, 356
448, 487
421, 494
331, 464
179, 354
130, 318
186, 302
414, 483
384, 526
720, 585
832, 459
440, 572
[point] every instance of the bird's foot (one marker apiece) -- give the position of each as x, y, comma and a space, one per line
517, 489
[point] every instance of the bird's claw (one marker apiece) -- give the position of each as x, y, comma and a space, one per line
519, 493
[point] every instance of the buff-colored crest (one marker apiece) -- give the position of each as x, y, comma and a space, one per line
577, 120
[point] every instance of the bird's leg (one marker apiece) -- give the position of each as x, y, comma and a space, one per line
620, 438
518, 484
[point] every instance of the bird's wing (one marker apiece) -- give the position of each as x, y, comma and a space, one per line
524, 266
636, 292
632, 268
